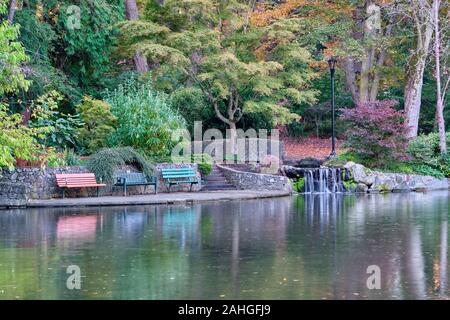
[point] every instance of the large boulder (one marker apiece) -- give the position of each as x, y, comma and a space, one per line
383, 183
360, 174
361, 188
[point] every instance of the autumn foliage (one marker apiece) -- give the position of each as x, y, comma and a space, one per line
376, 131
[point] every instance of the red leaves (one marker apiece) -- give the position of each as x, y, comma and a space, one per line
300, 148
376, 131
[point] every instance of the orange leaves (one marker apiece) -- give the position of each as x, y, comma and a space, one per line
263, 16
331, 48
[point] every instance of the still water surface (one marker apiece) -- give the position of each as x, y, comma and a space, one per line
300, 247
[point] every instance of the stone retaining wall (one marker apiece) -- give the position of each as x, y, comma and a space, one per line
256, 181
372, 181
21, 184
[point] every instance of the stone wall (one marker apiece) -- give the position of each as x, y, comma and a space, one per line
373, 182
256, 181
12, 194
36, 183
22, 184
249, 150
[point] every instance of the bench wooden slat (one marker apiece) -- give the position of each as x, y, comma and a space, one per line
126, 179
77, 180
179, 175
175, 176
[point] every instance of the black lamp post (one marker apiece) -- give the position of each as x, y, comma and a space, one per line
332, 64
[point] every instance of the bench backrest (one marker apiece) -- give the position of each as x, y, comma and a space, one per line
174, 173
132, 177
64, 180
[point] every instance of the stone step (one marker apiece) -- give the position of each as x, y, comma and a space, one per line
218, 188
216, 181
217, 185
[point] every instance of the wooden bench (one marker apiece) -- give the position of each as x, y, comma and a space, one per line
126, 179
173, 176
77, 180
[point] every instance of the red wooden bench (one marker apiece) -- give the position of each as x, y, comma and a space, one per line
77, 180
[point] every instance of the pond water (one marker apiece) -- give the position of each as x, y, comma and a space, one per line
299, 247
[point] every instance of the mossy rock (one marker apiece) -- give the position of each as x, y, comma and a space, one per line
350, 185
335, 163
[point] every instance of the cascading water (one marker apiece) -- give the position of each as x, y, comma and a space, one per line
323, 180
320, 180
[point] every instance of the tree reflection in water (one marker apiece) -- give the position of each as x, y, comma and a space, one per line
300, 247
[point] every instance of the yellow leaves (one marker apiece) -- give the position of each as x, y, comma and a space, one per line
139, 28
319, 65
160, 53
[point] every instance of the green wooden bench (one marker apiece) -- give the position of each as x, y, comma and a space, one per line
127, 179
173, 176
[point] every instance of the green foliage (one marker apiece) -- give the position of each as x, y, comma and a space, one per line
426, 170
349, 185
426, 154
105, 162
145, 119
16, 141
98, 121
400, 167
71, 158
425, 149
204, 168
88, 48
54, 159
62, 128
348, 156
298, 185
193, 106
12, 55
40, 40
226, 63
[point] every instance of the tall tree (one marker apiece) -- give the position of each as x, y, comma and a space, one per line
441, 46
132, 13
12, 55
420, 11
358, 32
363, 66
12, 10
215, 50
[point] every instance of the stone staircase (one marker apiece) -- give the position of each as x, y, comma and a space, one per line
216, 181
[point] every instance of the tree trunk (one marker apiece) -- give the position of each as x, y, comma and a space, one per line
413, 95
233, 139
367, 19
132, 14
12, 11
413, 89
439, 101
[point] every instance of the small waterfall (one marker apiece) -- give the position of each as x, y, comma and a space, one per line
324, 180
320, 180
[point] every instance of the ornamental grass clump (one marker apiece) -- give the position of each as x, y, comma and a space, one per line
106, 161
